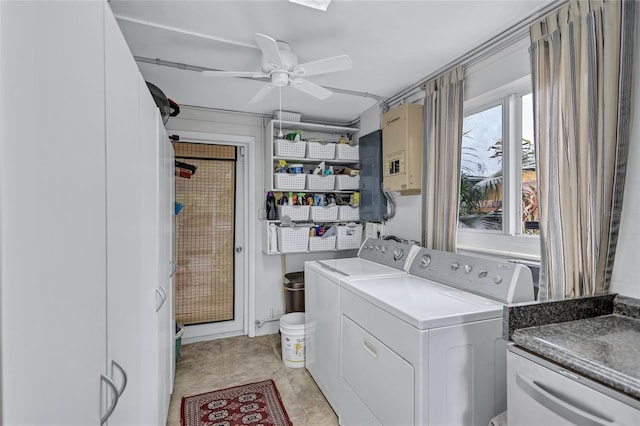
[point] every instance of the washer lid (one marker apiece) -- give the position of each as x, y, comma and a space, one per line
356, 267
424, 304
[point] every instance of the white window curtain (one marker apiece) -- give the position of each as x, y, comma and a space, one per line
441, 159
582, 65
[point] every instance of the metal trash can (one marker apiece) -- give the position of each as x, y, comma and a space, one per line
294, 292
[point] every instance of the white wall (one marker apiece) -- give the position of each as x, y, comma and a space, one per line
269, 297
625, 275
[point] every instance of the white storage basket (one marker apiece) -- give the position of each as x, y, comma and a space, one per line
321, 182
349, 237
289, 149
298, 213
347, 152
287, 116
348, 213
324, 213
293, 239
346, 182
289, 181
321, 151
322, 243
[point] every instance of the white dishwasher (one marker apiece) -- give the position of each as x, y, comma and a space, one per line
540, 392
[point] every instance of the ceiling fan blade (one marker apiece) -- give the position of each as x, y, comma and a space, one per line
311, 88
269, 47
250, 74
322, 66
262, 93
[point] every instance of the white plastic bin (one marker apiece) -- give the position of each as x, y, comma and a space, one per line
289, 181
291, 149
293, 239
324, 213
321, 151
321, 182
348, 213
293, 339
298, 213
346, 182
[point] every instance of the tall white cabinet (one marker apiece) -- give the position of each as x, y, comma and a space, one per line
85, 224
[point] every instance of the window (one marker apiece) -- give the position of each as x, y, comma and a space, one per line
498, 198
481, 170
529, 177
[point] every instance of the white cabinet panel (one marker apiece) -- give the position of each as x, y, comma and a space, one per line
322, 329
52, 212
543, 393
85, 217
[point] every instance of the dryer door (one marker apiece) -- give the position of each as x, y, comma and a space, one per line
378, 376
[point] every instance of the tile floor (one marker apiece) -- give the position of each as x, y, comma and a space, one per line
218, 364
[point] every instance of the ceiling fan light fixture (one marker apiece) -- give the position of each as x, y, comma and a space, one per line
280, 78
314, 4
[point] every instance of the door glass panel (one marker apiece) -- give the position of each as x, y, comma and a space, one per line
205, 221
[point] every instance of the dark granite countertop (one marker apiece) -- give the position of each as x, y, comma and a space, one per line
605, 347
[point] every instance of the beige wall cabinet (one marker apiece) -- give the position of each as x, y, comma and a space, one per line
402, 134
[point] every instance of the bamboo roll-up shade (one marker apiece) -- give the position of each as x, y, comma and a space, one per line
205, 234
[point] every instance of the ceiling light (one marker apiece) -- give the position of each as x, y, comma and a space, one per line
315, 4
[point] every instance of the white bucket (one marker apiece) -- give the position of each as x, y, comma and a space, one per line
293, 339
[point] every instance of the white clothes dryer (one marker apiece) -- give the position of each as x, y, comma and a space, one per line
427, 348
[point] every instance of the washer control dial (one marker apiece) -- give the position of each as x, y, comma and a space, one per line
497, 279
483, 273
398, 254
468, 269
383, 249
455, 266
425, 261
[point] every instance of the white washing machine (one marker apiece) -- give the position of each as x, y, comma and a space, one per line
323, 279
427, 348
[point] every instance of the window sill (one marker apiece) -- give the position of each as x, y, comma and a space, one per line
520, 247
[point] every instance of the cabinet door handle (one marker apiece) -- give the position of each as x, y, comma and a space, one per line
123, 373
559, 406
163, 297
174, 267
114, 401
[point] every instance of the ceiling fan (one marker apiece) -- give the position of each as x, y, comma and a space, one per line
280, 65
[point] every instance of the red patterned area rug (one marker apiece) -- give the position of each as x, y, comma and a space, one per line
255, 404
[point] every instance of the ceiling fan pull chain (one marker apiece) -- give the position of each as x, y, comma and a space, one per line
280, 135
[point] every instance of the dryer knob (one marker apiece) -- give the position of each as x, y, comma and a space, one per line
383, 249
455, 266
468, 269
398, 254
483, 273
497, 279
425, 261
370, 247
378, 248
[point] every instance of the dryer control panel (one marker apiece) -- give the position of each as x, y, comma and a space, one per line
503, 281
388, 252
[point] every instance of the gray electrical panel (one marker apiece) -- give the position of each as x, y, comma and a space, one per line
373, 205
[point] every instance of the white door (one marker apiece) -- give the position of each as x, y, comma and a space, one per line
235, 326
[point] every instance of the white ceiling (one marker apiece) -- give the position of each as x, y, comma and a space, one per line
393, 45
